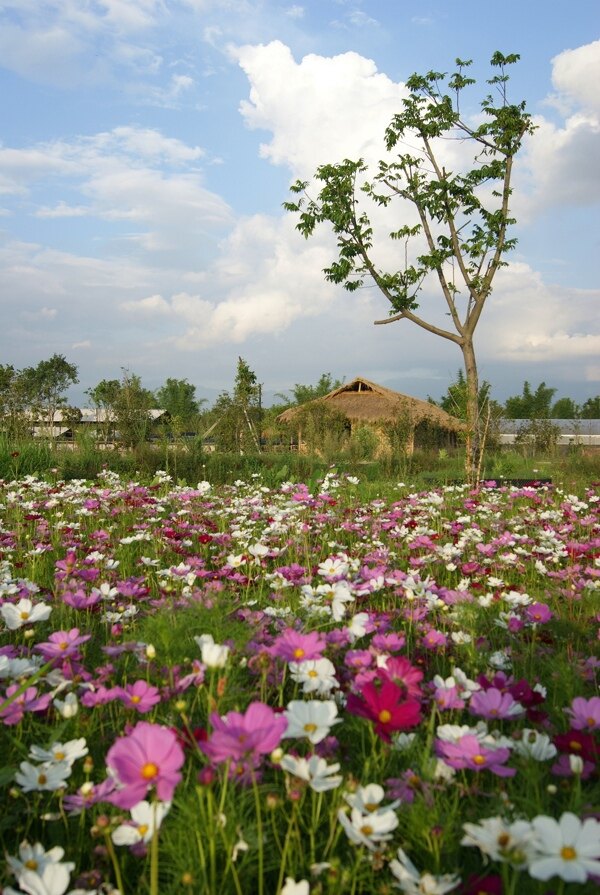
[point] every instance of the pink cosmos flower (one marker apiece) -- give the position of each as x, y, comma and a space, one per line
384, 702
139, 696
236, 737
468, 752
585, 713
405, 676
538, 613
149, 756
293, 646
493, 703
29, 701
62, 644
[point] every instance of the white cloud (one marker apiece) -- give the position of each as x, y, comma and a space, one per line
152, 305
80, 345
576, 75
320, 110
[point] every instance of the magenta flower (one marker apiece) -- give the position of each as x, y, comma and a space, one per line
538, 613
494, 703
62, 644
139, 696
236, 737
293, 646
405, 676
384, 702
29, 701
468, 752
149, 756
585, 713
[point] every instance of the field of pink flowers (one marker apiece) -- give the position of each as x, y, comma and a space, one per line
281, 692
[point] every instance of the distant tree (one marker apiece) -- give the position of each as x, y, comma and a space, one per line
303, 393
459, 215
104, 397
237, 417
14, 402
131, 408
591, 409
178, 397
565, 409
530, 405
454, 401
46, 384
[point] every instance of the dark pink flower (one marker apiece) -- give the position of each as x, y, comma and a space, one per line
139, 696
62, 644
239, 736
384, 702
28, 701
150, 756
294, 646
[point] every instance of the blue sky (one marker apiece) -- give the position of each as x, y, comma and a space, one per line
147, 146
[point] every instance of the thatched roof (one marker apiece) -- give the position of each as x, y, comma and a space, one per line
362, 401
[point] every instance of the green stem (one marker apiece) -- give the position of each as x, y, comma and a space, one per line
154, 855
286, 846
259, 833
115, 864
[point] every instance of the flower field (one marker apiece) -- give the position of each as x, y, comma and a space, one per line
298, 690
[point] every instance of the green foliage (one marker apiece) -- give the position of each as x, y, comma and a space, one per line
539, 435
178, 397
591, 409
565, 409
530, 405
454, 401
303, 393
323, 429
236, 419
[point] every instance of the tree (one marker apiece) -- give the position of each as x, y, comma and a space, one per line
325, 384
104, 397
454, 401
46, 384
178, 397
565, 409
463, 217
13, 402
591, 409
129, 405
530, 405
238, 416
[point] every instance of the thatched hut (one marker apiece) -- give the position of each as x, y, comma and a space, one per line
366, 404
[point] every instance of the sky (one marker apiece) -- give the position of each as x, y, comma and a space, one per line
147, 148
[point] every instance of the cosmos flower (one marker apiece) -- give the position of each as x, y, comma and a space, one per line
150, 756
568, 848
146, 818
313, 719
315, 771
16, 615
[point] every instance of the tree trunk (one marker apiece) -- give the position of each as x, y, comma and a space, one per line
473, 445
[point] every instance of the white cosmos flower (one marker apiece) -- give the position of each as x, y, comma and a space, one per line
67, 752
500, 840
333, 567
368, 829
33, 857
24, 612
318, 774
367, 799
47, 777
414, 883
313, 719
336, 595
291, 887
357, 626
146, 818
534, 744
52, 880
214, 655
568, 848
315, 675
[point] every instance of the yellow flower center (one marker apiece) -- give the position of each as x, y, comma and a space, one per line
59, 756
384, 716
590, 722
310, 727
143, 829
149, 771
479, 759
42, 779
31, 864
64, 645
298, 652
136, 699
568, 853
366, 830
371, 806
24, 616
313, 673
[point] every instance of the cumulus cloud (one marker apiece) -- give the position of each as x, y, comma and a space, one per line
318, 110
576, 75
